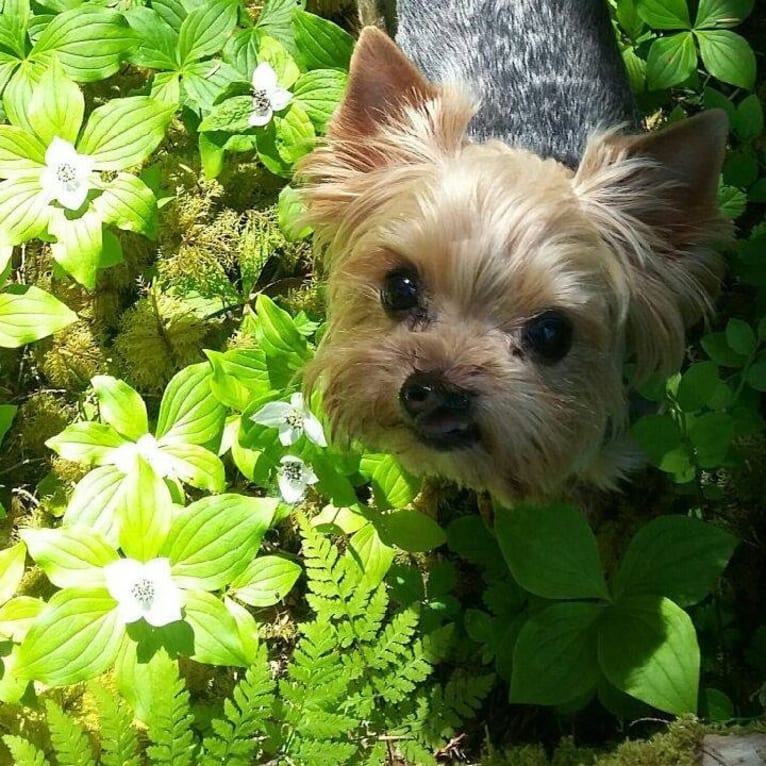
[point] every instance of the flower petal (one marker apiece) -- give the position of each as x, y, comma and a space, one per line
313, 429
166, 607
60, 151
296, 401
288, 434
72, 197
292, 491
259, 119
273, 414
265, 78
158, 570
120, 577
280, 98
308, 476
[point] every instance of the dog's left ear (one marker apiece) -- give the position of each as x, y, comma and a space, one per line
653, 198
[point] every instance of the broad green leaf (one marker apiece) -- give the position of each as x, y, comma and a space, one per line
196, 465
410, 530
295, 135
172, 12
129, 204
628, 18
247, 629
189, 412
332, 519
727, 56
230, 116
318, 94
18, 615
698, 386
555, 659
268, 152
731, 201
216, 637
647, 647
86, 442
756, 375
239, 376
711, 435
204, 81
148, 513
276, 18
748, 119
157, 40
125, 131
28, 313
392, 486
212, 153
18, 91
550, 551
24, 210
76, 638
657, 435
205, 30
89, 41
272, 52
56, 107
671, 60
11, 570
13, 32
291, 211
98, 502
166, 87
120, 406
70, 556
241, 51
372, 554
79, 244
280, 335
664, 14
321, 44
7, 414
740, 337
265, 581
21, 153
676, 557
215, 538
722, 13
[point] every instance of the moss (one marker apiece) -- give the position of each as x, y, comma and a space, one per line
72, 357
41, 416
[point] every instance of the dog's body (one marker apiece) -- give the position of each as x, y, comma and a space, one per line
484, 295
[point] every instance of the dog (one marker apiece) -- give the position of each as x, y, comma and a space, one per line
499, 247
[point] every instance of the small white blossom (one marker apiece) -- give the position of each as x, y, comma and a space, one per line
124, 457
268, 95
144, 589
292, 420
65, 176
293, 478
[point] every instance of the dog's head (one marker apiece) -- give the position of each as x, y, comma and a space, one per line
482, 300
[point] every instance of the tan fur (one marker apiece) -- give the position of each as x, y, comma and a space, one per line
498, 236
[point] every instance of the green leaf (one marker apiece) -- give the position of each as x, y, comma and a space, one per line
129, 204
247, 629
21, 153
241, 51
657, 435
671, 60
216, 635
372, 554
318, 93
17, 616
76, 638
732, 201
11, 570
148, 513
727, 56
28, 313
90, 42
722, 13
86, 442
23, 752
157, 41
24, 210
294, 134
166, 87
13, 31
555, 658
272, 52
740, 337
550, 551
239, 377
230, 116
214, 539
205, 30
697, 387
56, 107
18, 91
204, 81
280, 335
711, 435
410, 530
124, 132
674, 556
647, 647
196, 465
321, 44
172, 12
265, 581
756, 375
212, 153
79, 244
276, 18
189, 412
120, 406
7, 414
628, 18
70, 556
664, 14
392, 486
748, 119
98, 502
291, 211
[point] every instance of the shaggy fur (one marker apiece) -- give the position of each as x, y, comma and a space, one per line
623, 246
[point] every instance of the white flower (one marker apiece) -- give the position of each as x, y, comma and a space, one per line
144, 589
65, 176
293, 478
124, 456
268, 96
292, 420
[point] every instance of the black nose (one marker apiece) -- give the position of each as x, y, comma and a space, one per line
439, 411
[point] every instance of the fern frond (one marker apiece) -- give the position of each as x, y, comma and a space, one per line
414, 752
70, 743
314, 753
393, 645
372, 614
23, 752
235, 742
119, 741
169, 721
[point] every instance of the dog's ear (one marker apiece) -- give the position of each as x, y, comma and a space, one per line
654, 200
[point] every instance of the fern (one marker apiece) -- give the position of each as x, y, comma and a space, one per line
23, 752
119, 742
70, 743
234, 741
170, 718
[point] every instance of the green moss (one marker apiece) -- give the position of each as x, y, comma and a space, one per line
72, 357
41, 416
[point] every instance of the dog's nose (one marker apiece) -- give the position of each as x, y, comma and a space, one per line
424, 392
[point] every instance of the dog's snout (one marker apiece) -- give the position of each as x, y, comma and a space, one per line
424, 392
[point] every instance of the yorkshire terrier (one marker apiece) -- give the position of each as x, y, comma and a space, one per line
498, 248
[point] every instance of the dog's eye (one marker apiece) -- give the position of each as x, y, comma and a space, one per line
548, 336
401, 291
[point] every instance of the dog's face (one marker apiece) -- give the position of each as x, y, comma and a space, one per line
481, 299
